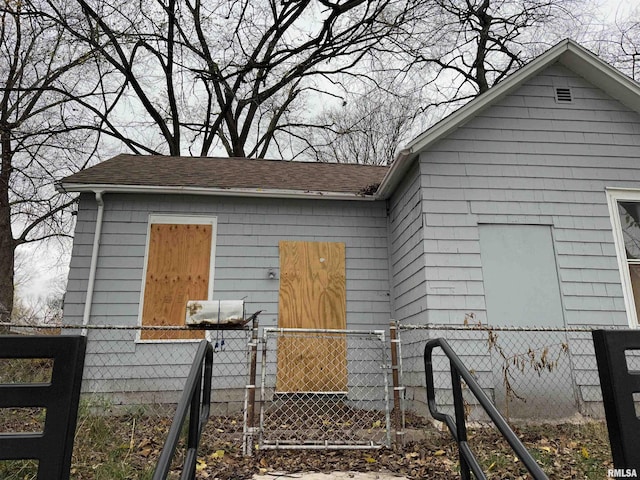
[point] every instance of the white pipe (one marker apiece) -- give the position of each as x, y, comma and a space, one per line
94, 262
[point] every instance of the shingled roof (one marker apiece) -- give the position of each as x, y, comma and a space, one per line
202, 174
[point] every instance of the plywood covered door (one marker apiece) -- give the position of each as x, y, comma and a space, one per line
312, 295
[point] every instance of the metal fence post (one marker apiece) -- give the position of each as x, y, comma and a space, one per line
250, 406
397, 404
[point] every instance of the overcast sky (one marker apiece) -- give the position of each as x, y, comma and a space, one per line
617, 8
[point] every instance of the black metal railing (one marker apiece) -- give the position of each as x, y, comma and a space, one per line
58, 396
195, 401
617, 357
458, 427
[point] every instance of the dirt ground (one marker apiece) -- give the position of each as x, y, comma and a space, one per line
567, 451
127, 447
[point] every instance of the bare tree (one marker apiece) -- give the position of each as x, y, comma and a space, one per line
365, 128
477, 43
456, 51
619, 42
36, 64
236, 77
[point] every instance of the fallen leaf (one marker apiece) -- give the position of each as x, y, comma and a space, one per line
217, 454
439, 453
200, 465
144, 442
369, 459
584, 452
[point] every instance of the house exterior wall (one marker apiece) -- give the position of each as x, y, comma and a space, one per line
406, 250
248, 232
531, 161
526, 160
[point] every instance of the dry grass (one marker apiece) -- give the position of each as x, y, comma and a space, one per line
126, 446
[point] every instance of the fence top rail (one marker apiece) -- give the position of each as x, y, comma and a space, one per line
487, 328
65, 326
399, 326
377, 333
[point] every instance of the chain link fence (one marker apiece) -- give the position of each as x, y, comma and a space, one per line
142, 371
303, 388
524, 370
531, 374
324, 389
317, 389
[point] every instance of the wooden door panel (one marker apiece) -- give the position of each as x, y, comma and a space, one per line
312, 295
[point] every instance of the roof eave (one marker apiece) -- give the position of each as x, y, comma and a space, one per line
227, 192
398, 169
601, 74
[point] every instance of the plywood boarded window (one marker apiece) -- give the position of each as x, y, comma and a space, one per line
520, 276
312, 296
179, 268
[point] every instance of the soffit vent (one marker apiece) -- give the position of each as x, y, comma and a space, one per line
564, 95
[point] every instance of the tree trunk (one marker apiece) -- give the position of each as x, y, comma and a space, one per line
7, 244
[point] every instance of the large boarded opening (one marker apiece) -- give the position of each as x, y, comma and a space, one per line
522, 289
520, 276
178, 265
312, 295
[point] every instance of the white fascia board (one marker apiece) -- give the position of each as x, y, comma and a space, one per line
613, 82
226, 192
398, 169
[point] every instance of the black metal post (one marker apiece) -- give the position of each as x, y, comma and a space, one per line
619, 383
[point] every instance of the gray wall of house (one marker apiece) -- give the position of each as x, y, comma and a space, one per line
525, 161
248, 232
531, 161
406, 250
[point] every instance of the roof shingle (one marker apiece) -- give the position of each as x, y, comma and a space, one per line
230, 173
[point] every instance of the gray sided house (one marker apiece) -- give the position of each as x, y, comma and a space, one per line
519, 209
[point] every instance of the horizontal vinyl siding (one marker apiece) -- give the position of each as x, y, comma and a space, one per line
529, 160
248, 232
406, 252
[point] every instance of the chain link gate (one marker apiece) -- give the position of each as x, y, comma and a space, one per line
324, 389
